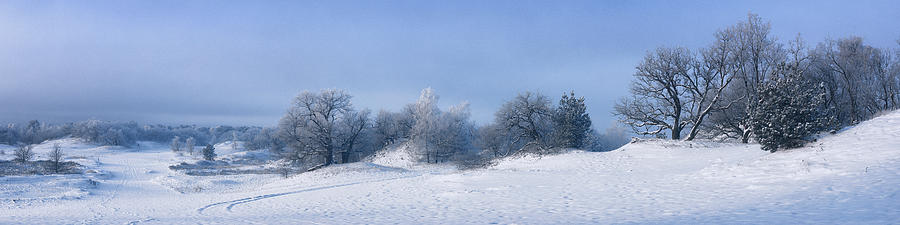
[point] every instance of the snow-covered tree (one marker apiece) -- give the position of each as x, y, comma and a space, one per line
267, 138
527, 118
754, 55
708, 81
32, 134
234, 141
209, 153
495, 141
789, 109
438, 135
426, 115
391, 127
572, 124
659, 98
189, 143
9, 134
860, 80
352, 132
310, 125
175, 145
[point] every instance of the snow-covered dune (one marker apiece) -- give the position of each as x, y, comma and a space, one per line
849, 177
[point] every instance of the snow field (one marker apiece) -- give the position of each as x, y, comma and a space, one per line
852, 177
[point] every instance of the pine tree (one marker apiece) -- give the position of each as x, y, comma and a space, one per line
209, 152
789, 109
572, 122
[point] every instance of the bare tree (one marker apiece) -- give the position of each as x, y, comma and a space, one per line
756, 55
352, 127
659, 98
390, 127
309, 127
709, 79
527, 117
56, 156
858, 78
495, 141
23, 153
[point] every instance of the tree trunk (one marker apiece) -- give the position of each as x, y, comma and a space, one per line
329, 157
745, 137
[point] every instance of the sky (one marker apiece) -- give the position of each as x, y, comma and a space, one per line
242, 62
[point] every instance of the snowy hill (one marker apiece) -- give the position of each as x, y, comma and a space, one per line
850, 177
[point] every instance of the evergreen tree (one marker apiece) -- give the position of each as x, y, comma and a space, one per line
572, 122
209, 153
789, 109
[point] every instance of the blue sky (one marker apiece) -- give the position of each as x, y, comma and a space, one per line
241, 62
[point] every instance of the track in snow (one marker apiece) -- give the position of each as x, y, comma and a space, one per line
236, 202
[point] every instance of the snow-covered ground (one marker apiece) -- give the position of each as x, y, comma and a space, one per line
851, 177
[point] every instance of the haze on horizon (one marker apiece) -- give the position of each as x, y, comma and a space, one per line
241, 63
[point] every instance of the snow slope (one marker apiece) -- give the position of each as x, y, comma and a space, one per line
850, 178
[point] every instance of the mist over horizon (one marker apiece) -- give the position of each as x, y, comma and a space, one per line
175, 62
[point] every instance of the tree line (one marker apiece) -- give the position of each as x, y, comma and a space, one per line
322, 128
129, 133
747, 84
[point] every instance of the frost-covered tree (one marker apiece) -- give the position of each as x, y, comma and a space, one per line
708, 81
23, 153
756, 53
457, 132
659, 97
859, 79
437, 135
189, 143
352, 132
426, 115
572, 124
789, 109
9, 134
234, 141
310, 125
209, 153
494, 141
391, 127
527, 118
32, 134
56, 157
267, 138
175, 145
